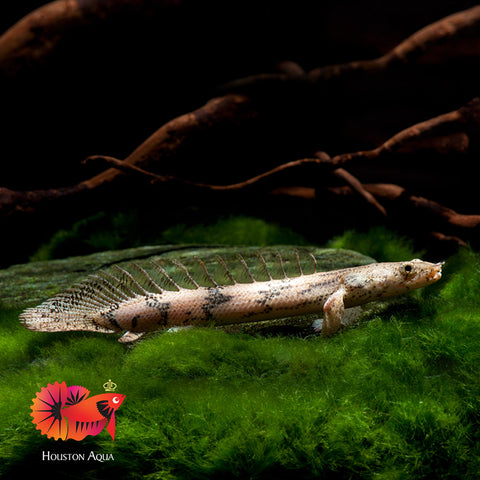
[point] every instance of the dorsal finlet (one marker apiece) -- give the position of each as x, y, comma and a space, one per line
314, 262
264, 263
297, 256
187, 273
131, 278
221, 261
245, 266
282, 266
148, 278
103, 282
207, 273
126, 290
166, 275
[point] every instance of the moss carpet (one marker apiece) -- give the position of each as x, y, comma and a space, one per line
396, 397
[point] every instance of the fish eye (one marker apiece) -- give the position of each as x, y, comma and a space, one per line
115, 400
408, 268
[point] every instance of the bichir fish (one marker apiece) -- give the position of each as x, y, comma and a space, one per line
139, 299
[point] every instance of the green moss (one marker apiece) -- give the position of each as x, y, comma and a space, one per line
95, 233
397, 397
233, 231
379, 243
461, 291
128, 229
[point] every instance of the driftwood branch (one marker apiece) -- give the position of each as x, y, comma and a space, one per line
452, 133
39, 34
458, 124
421, 209
358, 188
132, 169
434, 36
163, 144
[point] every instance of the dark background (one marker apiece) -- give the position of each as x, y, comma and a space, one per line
114, 83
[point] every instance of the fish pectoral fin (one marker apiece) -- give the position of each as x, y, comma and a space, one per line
129, 337
333, 310
111, 426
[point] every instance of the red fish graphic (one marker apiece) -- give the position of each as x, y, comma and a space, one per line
66, 412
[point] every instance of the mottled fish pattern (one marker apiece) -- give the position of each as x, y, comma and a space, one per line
138, 299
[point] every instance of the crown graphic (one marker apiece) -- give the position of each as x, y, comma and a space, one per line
109, 386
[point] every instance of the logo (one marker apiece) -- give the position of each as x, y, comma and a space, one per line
62, 412
110, 386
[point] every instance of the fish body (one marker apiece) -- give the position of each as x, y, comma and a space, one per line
123, 302
66, 412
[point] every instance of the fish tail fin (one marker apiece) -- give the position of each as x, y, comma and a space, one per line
47, 410
83, 306
40, 321
77, 308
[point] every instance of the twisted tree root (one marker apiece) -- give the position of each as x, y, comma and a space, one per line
455, 27
164, 143
453, 132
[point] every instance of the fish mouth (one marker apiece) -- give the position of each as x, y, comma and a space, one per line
436, 272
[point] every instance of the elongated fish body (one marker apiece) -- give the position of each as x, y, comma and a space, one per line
139, 301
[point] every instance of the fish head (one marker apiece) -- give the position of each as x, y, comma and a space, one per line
115, 400
418, 273
382, 280
108, 403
